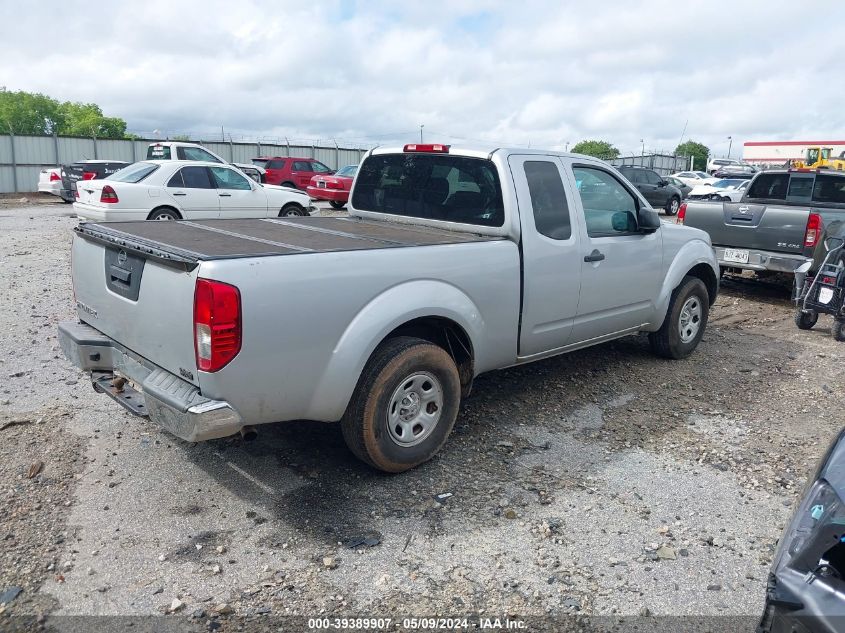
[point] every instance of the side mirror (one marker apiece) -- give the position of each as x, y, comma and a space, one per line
648, 220
623, 222
663, 183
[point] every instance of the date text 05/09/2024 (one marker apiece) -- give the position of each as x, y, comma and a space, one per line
431, 624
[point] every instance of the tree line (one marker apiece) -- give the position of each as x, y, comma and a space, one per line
606, 151
34, 113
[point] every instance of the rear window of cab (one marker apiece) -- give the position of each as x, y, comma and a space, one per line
158, 152
432, 187
797, 186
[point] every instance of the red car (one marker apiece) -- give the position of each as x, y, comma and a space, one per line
333, 188
291, 172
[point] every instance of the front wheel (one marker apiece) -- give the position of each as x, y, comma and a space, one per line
672, 206
806, 320
336, 204
685, 320
404, 406
292, 210
839, 330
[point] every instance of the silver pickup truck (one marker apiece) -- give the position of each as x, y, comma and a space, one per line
452, 263
777, 224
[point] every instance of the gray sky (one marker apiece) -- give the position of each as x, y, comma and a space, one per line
544, 73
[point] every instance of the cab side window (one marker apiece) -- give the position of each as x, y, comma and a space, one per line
195, 153
548, 199
609, 208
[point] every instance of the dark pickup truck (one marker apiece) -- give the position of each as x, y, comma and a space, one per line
777, 224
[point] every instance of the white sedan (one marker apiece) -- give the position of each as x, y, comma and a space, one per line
694, 178
189, 190
727, 190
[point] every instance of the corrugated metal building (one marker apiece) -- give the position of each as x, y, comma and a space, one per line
23, 157
779, 152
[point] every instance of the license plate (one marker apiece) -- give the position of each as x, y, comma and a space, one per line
825, 295
321, 184
735, 255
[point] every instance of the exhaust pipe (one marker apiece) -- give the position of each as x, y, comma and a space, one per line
249, 433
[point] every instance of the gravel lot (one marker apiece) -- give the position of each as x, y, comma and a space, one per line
605, 482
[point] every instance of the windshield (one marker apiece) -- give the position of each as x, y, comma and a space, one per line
701, 174
727, 183
261, 162
431, 186
134, 173
348, 171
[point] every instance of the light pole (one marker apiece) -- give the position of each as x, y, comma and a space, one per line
730, 143
422, 125
566, 149
642, 151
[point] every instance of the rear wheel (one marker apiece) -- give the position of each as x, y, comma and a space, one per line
806, 320
337, 204
404, 406
673, 205
164, 214
288, 184
292, 210
685, 320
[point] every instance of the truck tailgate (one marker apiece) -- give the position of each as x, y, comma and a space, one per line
752, 226
141, 302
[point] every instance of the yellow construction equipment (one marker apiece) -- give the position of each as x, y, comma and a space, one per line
820, 158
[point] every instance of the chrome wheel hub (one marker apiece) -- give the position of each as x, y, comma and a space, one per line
689, 322
415, 409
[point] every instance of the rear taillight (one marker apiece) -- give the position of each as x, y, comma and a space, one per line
334, 184
682, 213
436, 148
76, 193
217, 324
108, 195
54, 176
814, 229
89, 175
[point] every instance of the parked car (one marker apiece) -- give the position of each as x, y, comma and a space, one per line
725, 190
736, 171
60, 181
777, 223
334, 188
806, 586
693, 178
683, 187
86, 170
176, 190
452, 263
715, 164
654, 187
181, 150
291, 172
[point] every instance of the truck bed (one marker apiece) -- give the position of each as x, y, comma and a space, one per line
189, 242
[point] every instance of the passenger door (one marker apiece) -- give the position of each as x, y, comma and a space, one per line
194, 193
237, 197
648, 182
621, 267
551, 262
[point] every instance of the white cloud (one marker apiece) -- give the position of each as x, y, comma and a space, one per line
544, 72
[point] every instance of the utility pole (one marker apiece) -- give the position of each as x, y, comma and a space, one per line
642, 151
730, 143
566, 148
422, 125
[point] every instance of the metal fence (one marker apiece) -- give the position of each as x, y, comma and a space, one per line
663, 164
23, 157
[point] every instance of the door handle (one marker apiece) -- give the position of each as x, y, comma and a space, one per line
180, 193
595, 256
227, 195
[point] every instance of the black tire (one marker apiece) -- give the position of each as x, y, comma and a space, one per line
672, 205
398, 362
668, 341
291, 210
164, 213
336, 204
288, 184
806, 320
838, 330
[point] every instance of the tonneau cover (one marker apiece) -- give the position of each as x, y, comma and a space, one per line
188, 242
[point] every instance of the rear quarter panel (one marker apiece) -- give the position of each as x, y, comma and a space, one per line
311, 321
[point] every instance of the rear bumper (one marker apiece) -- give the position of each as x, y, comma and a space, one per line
319, 193
99, 214
54, 187
763, 260
148, 390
